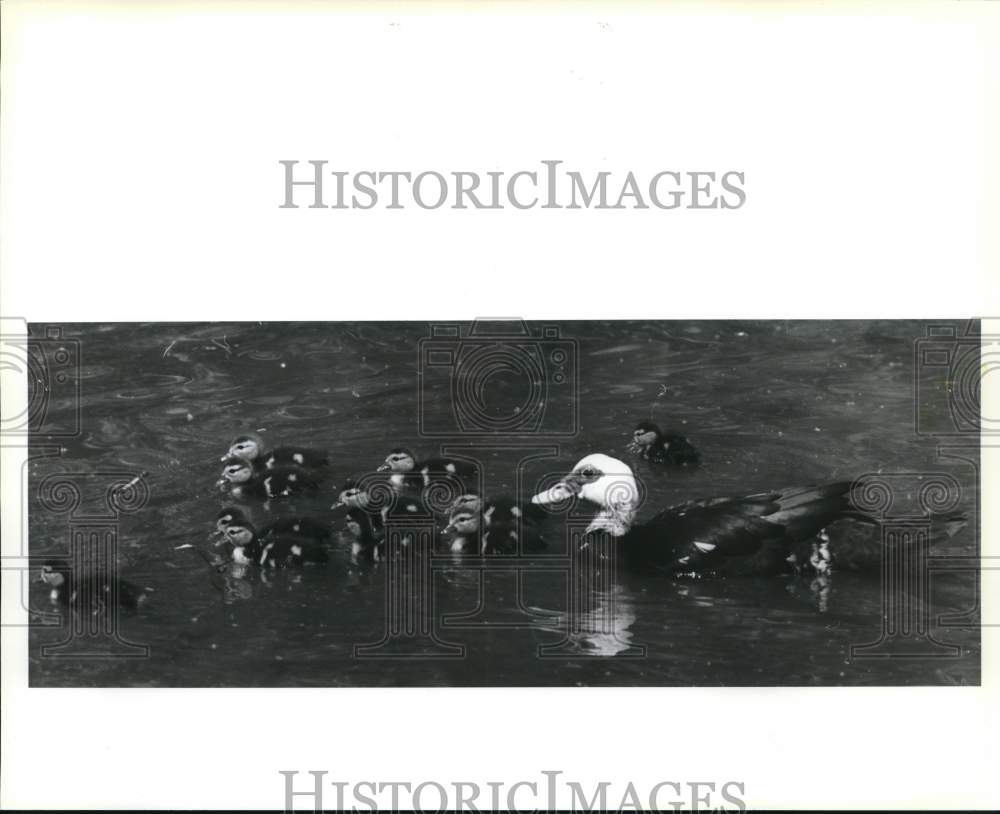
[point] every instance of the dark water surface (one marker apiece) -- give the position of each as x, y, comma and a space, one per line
770, 404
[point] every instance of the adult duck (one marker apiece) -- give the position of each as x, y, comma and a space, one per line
723, 536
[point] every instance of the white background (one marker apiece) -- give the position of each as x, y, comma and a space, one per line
140, 149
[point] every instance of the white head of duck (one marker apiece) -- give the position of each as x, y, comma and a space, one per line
607, 483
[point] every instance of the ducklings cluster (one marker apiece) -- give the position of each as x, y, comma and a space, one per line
440, 492
443, 491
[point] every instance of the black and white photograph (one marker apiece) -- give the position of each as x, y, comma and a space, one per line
499, 406
505, 503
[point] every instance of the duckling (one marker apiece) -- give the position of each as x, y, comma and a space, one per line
407, 512
507, 529
356, 499
283, 552
493, 526
462, 531
268, 484
95, 587
305, 526
275, 550
664, 448
366, 544
251, 447
468, 502
409, 475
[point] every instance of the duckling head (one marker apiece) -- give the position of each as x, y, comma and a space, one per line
604, 481
353, 497
240, 534
227, 517
466, 503
52, 574
462, 523
645, 434
399, 460
249, 446
236, 469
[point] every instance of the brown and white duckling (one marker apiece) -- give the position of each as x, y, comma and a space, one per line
491, 526
96, 588
462, 532
275, 549
508, 529
664, 448
245, 482
366, 543
409, 474
305, 526
368, 515
468, 502
251, 447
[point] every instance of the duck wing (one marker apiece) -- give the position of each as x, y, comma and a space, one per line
712, 534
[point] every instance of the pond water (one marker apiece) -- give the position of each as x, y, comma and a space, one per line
769, 404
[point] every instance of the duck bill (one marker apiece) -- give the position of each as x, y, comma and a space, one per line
556, 494
384, 468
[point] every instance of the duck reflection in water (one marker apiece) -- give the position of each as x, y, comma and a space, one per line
600, 609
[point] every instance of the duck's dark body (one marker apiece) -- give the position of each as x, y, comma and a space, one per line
857, 546
752, 535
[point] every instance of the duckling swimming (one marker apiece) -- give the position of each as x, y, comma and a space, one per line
246, 483
493, 526
96, 588
251, 447
664, 448
508, 529
273, 550
305, 526
366, 543
369, 514
462, 532
409, 475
